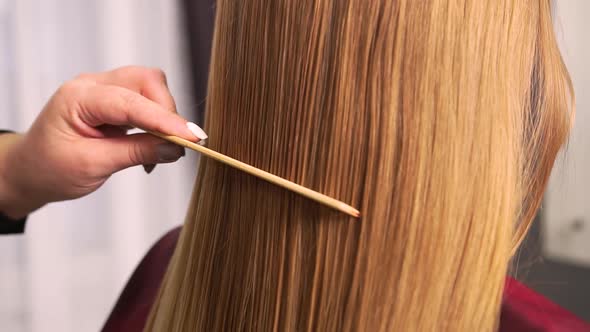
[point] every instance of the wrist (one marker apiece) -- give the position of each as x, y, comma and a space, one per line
14, 202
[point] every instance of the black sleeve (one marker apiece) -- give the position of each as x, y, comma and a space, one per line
11, 226
8, 225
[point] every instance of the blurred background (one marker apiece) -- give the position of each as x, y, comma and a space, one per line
67, 271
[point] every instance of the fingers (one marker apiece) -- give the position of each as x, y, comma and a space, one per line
106, 104
149, 82
113, 105
113, 131
135, 149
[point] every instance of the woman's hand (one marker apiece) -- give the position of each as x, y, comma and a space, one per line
80, 138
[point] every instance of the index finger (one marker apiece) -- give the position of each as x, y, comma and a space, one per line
149, 82
108, 104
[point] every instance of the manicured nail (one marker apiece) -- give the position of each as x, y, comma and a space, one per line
196, 130
168, 152
149, 168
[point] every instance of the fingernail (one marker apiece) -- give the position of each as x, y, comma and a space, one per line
168, 152
200, 133
149, 168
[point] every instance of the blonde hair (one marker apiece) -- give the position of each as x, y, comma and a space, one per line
439, 120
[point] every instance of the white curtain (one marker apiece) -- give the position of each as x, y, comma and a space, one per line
566, 210
68, 269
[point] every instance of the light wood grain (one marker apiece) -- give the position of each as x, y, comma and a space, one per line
311, 194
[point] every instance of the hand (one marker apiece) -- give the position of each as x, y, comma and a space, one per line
80, 138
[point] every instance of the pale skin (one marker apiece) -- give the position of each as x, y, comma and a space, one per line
80, 138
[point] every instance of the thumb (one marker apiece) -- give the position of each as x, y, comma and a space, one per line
136, 149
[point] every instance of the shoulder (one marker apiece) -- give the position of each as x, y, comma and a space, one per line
133, 307
524, 310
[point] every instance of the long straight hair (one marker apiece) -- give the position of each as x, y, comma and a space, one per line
439, 120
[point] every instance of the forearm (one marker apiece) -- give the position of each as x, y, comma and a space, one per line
14, 201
